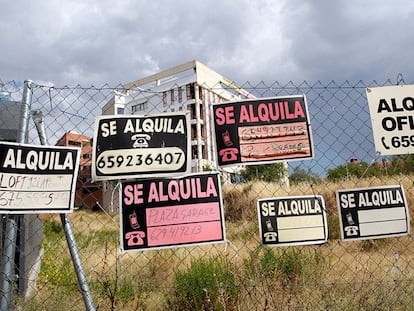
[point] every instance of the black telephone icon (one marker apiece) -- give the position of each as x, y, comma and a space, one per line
229, 154
270, 236
351, 230
135, 238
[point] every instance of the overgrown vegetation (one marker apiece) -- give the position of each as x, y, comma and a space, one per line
209, 284
396, 166
365, 275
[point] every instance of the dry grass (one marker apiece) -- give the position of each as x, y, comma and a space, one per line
343, 279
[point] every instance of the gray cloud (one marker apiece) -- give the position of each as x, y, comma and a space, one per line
98, 42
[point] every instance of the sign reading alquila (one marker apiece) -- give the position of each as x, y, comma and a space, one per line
262, 130
160, 213
391, 109
141, 146
375, 212
292, 220
37, 179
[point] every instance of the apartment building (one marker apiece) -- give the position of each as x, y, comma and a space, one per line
88, 193
192, 87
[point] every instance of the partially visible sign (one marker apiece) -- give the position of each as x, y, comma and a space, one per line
262, 131
9, 120
37, 179
391, 109
141, 146
297, 220
160, 213
370, 213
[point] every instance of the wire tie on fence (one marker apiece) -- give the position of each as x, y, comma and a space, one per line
228, 242
112, 195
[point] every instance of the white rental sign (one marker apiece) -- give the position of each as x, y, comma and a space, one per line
37, 179
298, 220
369, 213
392, 117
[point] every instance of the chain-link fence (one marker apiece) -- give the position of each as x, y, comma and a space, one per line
240, 274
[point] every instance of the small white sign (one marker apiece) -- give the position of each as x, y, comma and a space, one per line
370, 213
292, 220
37, 179
391, 109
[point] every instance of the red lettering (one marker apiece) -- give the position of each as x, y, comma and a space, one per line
225, 115
271, 112
128, 195
133, 194
244, 115
298, 110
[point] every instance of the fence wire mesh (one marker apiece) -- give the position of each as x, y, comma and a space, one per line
240, 274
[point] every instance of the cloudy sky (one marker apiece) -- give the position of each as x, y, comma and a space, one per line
96, 42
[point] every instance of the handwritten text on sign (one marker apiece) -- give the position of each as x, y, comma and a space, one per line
158, 213
262, 130
37, 179
373, 212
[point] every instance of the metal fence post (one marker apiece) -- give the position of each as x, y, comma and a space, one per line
77, 263
10, 235
67, 227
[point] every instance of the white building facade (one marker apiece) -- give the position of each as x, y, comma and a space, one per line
189, 87
192, 87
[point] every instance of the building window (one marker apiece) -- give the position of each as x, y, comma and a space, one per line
120, 110
190, 91
200, 93
172, 97
164, 99
139, 107
201, 111
75, 143
180, 94
194, 152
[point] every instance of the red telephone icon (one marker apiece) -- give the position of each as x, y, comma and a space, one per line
228, 154
135, 238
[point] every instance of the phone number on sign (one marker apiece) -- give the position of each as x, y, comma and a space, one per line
125, 160
398, 141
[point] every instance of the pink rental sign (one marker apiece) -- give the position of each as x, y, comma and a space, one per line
161, 213
262, 131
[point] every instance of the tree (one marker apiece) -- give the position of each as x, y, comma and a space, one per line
347, 170
301, 175
355, 169
402, 164
266, 172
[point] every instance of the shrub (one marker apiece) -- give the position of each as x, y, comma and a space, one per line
208, 285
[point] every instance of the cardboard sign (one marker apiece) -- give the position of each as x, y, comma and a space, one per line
369, 213
391, 109
160, 213
141, 146
37, 179
297, 220
262, 131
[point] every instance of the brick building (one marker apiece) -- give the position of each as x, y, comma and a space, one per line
88, 193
